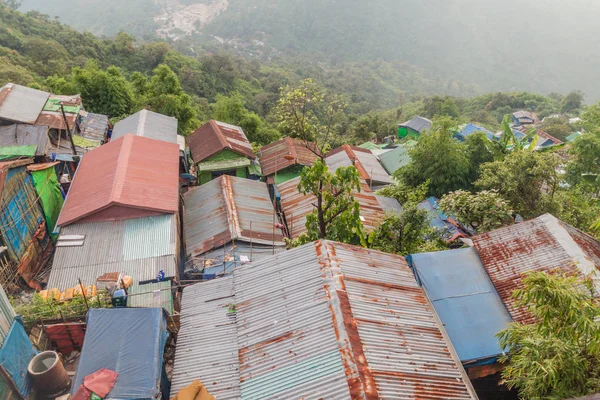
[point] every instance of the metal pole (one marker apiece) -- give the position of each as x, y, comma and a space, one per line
83, 293
70, 136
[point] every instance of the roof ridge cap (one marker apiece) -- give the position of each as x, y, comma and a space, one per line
122, 165
233, 222
220, 136
356, 162
140, 127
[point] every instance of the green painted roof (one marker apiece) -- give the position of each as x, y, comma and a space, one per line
53, 104
151, 295
372, 146
9, 152
396, 158
223, 165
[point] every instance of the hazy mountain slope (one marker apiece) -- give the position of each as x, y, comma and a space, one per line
546, 45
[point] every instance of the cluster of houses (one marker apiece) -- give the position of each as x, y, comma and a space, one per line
198, 226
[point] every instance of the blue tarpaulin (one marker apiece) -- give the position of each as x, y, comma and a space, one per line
465, 300
15, 354
130, 341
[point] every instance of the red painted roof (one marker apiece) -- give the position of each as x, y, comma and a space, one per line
130, 177
215, 136
284, 153
542, 244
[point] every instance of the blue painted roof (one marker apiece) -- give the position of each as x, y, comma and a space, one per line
465, 300
439, 220
469, 129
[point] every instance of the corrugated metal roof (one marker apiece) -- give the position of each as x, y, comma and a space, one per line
151, 295
207, 340
365, 162
215, 136
469, 129
129, 177
21, 104
465, 300
147, 124
297, 206
397, 158
541, 244
138, 247
285, 153
7, 315
223, 209
329, 320
523, 114
93, 126
25, 135
439, 220
418, 124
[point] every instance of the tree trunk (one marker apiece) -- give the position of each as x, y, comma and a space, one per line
320, 213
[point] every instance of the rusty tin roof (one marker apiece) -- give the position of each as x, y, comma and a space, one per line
326, 320
364, 160
285, 153
297, 206
130, 177
541, 244
21, 104
215, 136
225, 209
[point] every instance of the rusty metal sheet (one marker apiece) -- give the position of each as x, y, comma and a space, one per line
25, 135
215, 136
367, 164
21, 104
130, 177
225, 209
55, 120
285, 153
297, 206
541, 244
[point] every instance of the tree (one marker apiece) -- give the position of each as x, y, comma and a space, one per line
306, 112
439, 158
437, 106
558, 356
578, 207
528, 180
591, 117
479, 151
484, 211
14, 4
405, 233
405, 194
336, 214
572, 102
585, 158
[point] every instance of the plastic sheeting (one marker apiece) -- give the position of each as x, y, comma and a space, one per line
15, 354
466, 301
129, 341
47, 186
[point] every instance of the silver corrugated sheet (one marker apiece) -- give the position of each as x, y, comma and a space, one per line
207, 341
225, 209
374, 168
388, 204
21, 104
25, 135
329, 320
148, 124
7, 315
138, 247
151, 295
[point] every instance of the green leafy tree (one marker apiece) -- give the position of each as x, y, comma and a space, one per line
407, 232
439, 158
591, 117
440, 107
405, 194
572, 102
307, 113
585, 160
528, 180
479, 151
14, 4
558, 356
578, 207
336, 214
484, 211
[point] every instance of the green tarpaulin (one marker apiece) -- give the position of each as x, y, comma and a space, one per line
8, 152
47, 186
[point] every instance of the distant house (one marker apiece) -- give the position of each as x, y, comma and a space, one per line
467, 130
523, 118
397, 158
227, 221
284, 159
325, 320
544, 138
414, 127
377, 149
541, 244
367, 164
147, 124
24, 233
219, 149
296, 206
121, 214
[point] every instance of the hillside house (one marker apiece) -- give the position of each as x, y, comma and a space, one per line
523, 118
467, 130
367, 164
219, 149
284, 159
414, 127
147, 124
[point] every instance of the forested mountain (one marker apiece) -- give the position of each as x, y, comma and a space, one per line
543, 46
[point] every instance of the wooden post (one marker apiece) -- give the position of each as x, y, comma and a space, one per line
62, 109
83, 293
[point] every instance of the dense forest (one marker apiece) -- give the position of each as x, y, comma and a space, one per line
543, 46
